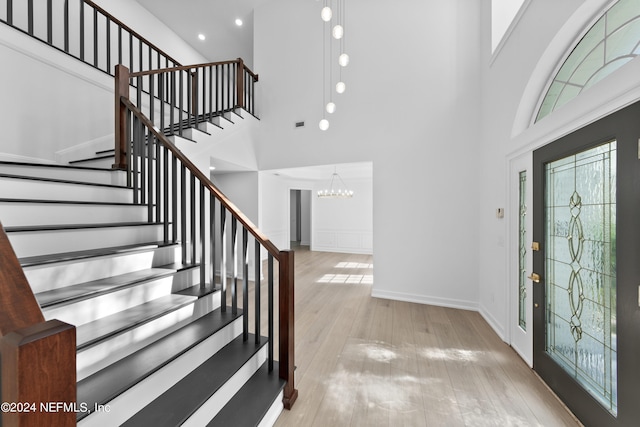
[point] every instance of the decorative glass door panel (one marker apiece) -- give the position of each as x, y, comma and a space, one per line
580, 211
522, 253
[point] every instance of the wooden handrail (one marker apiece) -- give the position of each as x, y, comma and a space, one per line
246, 222
187, 68
38, 356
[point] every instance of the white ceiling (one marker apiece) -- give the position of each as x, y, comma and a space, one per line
213, 18
346, 171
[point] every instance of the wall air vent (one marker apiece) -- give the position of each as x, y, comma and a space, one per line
299, 125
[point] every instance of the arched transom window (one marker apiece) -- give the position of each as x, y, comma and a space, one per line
610, 43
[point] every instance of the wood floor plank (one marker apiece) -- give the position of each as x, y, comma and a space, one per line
364, 361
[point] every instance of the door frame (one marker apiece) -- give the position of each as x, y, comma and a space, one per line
624, 127
521, 341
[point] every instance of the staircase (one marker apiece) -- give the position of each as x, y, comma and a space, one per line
153, 346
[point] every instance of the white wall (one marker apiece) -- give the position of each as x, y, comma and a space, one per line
411, 107
344, 225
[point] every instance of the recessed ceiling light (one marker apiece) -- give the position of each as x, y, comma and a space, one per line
239, 22
212, 168
201, 36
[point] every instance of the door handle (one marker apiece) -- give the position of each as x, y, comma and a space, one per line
535, 277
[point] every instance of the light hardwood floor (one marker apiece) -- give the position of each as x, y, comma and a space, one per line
363, 361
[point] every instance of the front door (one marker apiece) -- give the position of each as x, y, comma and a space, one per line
587, 269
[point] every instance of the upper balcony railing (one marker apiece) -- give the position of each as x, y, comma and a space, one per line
87, 32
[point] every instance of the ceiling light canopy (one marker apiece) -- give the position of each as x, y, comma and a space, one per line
239, 22
202, 37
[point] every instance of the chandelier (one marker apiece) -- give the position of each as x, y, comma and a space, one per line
337, 189
331, 33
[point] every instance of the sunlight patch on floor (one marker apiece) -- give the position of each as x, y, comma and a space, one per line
347, 278
353, 265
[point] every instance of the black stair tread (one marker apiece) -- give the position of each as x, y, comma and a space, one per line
174, 406
113, 380
55, 227
90, 159
252, 402
63, 181
90, 253
94, 288
108, 326
71, 202
57, 166
199, 291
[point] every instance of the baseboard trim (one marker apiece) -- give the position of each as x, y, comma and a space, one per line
495, 325
423, 299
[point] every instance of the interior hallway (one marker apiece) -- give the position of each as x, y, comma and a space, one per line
363, 361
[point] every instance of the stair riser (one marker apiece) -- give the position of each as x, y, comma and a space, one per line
34, 243
128, 403
220, 398
71, 174
94, 358
91, 309
15, 188
18, 213
53, 276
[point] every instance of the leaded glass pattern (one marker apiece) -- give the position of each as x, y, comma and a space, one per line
522, 254
580, 210
610, 43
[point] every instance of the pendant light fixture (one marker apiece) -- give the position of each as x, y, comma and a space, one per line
337, 188
333, 33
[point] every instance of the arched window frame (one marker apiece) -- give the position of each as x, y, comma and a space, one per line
550, 101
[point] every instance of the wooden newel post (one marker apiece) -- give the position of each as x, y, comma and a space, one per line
39, 376
38, 357
121, 90
286, 330
240, 84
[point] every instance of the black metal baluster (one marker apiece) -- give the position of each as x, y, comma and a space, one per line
234, 265
217, 88
203, 232
223, 259
140, 55
183, 212
49, 21
10, 12
210, 92
30, 17
108, 41
173, 102
192, 221
165, 200
95, 38
180, 103
66, 26
271, 309
256, 285
141, 147
119, 44
174, 200
134, 160
189, 97
161, 98
212, 238
245, 285
81, 30
128, 149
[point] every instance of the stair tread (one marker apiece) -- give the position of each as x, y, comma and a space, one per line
90, 253
93, 332
90, 159
197, 387
98, 287
63, 181
252, 402
54, 227
113, 380
59, 166
70, 202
